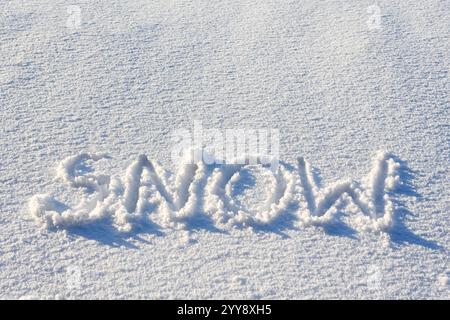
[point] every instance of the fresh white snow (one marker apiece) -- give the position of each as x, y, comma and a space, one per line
92, 205
143, 190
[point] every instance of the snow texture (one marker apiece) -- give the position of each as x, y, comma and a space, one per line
128, 200
91, 205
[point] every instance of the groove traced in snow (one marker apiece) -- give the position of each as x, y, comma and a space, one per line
147, 191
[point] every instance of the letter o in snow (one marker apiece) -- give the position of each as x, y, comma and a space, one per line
253, 194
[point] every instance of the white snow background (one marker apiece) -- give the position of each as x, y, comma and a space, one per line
340, 80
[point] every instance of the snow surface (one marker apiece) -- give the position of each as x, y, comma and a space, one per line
91, 205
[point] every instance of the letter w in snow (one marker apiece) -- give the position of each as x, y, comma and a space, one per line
371, 197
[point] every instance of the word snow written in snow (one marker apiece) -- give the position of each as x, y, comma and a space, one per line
227, 193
